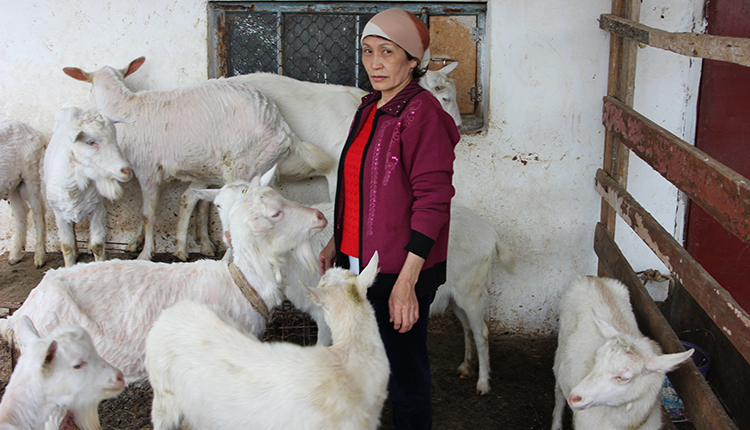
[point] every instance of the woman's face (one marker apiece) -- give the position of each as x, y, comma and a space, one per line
387, 65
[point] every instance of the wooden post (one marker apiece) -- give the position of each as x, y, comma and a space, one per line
621, 80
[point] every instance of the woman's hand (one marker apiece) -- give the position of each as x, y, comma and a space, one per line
402, 304
326, 257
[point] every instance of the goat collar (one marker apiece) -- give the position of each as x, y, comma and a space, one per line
249, 292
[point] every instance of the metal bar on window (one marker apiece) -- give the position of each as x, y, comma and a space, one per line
279, 42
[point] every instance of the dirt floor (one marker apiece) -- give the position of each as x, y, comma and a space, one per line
522, 383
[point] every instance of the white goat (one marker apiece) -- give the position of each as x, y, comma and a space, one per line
57, 373
472, 248
322, 114
210, 133
21, 152
210, 374
607, 370
117, 301
83, 163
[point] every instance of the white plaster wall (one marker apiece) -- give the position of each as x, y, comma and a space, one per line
39, 38
530, 174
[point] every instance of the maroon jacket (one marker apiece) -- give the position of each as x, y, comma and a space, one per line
405, 187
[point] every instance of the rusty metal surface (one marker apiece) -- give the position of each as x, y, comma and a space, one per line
701, 403
450, 38
720, 191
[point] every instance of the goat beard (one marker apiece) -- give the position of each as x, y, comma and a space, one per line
305, 255
109, 188
87, 419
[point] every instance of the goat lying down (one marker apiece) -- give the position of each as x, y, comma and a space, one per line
117, 301
55, 374
609, 373
210, 374
21, 153
210, 133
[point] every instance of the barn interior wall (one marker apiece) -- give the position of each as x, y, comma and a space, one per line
529, 174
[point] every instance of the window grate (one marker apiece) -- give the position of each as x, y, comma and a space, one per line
319, 42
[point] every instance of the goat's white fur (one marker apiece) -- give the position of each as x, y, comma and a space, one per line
117, 301
59, 372
322, 114
472, 248
209, 133
609, 373
83, 164
210, 374
21, 152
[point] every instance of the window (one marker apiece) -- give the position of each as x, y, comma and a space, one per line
319, 42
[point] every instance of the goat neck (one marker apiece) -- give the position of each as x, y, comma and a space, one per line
110, 91
23, 406
262, 271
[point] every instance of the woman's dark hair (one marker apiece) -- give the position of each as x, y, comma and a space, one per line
418, 71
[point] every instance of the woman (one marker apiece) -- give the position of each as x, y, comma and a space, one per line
393, 196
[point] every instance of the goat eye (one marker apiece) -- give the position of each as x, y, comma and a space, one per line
621, 378
91, 143
79, 365
439, 88
244, 191
276, 215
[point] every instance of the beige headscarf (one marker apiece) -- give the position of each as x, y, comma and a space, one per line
401, 27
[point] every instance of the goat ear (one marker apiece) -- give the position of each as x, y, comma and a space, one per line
425, 59
133, 66
267, 177
75, 135
203, 194
49, 357
313, 292
76, 73
606, 329
259, 224
667, 362
367, 276
117, 119
449, 68
26, 330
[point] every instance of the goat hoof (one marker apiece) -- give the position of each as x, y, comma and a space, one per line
181, 255
39, 261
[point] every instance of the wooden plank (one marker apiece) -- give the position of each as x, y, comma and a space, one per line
715, 300
705, 410
719, 190
620, 84
731, 49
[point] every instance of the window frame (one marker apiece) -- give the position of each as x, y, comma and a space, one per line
217, 58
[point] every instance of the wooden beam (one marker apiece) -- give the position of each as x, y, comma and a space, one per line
719, 190
620, 84
704, 409
731, 49
715, 300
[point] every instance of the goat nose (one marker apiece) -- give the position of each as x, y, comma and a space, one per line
574, 399
126, 172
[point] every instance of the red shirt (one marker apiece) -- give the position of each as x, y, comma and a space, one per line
352, 169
